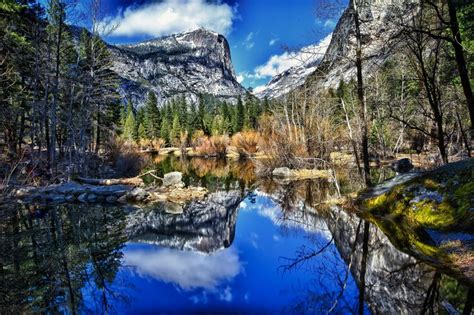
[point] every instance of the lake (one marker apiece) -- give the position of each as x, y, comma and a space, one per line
252, 246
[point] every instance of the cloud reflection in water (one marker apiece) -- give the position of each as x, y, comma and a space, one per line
186, 269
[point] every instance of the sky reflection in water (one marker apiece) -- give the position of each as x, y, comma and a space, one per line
247, 276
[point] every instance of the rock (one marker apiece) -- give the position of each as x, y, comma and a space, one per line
282, 172
173, 208
91, 198
119, 193
82, 197
181, 196
402, 166
111, 199
58, 198
172, 179
123, 199
180, 185
70, 198
24, 191
139, 194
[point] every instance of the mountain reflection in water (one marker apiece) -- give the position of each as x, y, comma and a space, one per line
275, 247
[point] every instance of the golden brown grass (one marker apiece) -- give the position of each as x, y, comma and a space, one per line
246, 143
151, 144
213, 146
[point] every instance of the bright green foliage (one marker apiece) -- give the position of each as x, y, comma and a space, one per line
152, 117
175, 132
218, 125
165, 129
129, 128
142, 132
239, 117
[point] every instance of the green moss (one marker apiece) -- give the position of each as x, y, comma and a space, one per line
431, 184
430, 214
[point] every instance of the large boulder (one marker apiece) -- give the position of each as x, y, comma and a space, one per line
402, 166
173, 179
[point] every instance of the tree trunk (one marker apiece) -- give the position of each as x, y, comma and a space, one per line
461, 62
361, 98
440, 138
97, 134
56, 93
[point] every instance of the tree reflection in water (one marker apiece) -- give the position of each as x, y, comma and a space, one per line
50, 256
68, 258
389, 281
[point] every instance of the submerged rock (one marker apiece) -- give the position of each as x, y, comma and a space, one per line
82, 197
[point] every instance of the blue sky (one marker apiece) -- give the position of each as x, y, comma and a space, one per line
258, 31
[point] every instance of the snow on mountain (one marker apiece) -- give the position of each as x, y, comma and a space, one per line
338, 63
305, 62
189, 64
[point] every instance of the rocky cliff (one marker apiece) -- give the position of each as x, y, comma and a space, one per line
295, 76
377, 19
182, 64
378, 26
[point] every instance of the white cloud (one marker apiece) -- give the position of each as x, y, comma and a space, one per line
330, 24
172, 16
226, 295
280, 63
241, 77
186, 269
248, 42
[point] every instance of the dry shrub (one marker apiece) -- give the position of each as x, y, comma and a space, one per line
151, 144
196, 138
246, 142
214, 146
301, 132
126, 158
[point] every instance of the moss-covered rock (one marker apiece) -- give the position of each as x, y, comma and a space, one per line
439, 199
430, 216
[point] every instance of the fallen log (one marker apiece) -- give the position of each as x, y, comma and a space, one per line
135, 181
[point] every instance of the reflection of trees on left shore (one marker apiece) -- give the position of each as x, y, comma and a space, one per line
50, 255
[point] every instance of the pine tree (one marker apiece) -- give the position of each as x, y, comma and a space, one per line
129, 128
165, 129
142, 132
152, 117
266, 105
175, 132
201, 113
239, 117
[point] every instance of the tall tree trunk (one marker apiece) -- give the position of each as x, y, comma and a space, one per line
56, 91
97, 134
361, 98
440, 138
461, 62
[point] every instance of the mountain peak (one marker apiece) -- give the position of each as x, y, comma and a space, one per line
190, 63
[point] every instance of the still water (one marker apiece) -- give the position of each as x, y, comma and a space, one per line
250, 247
